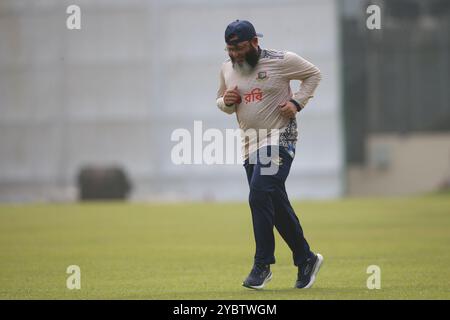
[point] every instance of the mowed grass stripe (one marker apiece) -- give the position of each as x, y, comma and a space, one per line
204, 250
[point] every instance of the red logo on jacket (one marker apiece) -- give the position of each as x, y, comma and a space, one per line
254, 95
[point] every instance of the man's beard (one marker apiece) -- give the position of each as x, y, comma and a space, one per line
250, 61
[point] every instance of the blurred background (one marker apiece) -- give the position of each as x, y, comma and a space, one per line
77, 106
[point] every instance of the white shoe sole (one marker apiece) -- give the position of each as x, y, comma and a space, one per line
262, 285
315, 271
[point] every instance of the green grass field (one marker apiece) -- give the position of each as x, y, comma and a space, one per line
203, 251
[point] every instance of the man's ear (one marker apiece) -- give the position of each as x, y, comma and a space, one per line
254, 42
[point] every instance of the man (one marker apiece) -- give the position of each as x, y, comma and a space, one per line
254, 84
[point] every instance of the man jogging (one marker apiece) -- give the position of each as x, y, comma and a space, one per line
254, 84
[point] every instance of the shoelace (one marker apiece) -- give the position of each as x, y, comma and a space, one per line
258, 268
307, 268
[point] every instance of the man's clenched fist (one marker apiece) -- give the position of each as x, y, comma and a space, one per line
288, 109
232, 97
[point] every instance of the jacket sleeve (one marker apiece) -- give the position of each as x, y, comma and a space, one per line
220, 103
295, 67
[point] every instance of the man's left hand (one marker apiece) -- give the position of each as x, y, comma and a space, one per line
288, 109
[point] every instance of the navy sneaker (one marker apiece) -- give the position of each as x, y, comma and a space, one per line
307, 273
258, 277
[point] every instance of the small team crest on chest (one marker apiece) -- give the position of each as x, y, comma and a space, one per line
262, 75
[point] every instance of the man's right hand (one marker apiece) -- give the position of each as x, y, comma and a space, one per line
232, 97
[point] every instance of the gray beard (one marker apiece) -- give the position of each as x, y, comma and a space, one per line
243, 68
